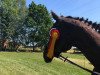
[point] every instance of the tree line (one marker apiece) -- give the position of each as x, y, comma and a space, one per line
22, 25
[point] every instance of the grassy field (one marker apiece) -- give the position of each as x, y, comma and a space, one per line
25, 63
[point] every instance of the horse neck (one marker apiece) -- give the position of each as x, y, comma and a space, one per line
88, 35
88, 41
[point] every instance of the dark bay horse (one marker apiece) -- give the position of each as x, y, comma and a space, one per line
74, 31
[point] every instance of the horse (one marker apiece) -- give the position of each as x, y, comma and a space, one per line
74, 31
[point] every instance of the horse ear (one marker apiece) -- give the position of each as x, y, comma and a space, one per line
55, 16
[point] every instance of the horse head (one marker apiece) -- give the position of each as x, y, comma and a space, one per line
60, 38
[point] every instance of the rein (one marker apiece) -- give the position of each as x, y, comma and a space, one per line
67, 60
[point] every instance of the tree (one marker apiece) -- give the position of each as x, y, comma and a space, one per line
38, 23
12, 15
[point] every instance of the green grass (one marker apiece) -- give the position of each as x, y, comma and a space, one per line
25, 63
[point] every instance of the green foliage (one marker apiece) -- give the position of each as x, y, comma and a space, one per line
12, 17
25, 25
39, 19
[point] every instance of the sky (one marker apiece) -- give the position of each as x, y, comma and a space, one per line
77, 8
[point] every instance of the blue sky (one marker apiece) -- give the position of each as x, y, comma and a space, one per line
78, 8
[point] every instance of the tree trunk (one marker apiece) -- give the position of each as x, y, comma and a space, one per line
33, 47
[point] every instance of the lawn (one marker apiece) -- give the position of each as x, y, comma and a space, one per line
27, 63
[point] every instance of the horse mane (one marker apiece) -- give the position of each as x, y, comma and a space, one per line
94, 25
